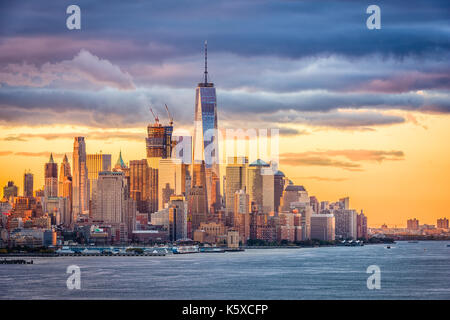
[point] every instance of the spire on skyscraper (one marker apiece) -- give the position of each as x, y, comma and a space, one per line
120, 163
206, 61
65, 158
51, 158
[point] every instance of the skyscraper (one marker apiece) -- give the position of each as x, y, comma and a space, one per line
27, 184
143, 186
278, 181
109, 198
51, 179
65, 185
260, 183
80, 195
171, 180
96, 163
206, 146
323, 227
198, 203
361, 221
236, 179
346, 224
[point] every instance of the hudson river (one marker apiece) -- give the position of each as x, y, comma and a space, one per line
408, 271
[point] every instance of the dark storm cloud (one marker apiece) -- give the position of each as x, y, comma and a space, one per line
289, 29
273, 62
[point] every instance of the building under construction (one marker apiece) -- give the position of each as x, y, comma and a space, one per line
159, 140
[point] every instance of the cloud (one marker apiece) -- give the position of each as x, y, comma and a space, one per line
85, 71
289, 29
328, 158
293, 160
281, 64
328, 179
35, 154
92, 135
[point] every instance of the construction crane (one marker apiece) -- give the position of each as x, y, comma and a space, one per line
154, 116
168, 113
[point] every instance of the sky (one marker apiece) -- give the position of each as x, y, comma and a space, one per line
361, 113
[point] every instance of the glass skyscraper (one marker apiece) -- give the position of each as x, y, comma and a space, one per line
205, 136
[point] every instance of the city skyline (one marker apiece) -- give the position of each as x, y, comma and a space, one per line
373, 135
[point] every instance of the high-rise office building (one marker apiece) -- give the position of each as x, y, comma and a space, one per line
80, 194
109, 198
206, 147
323, 227
236, 179
177, 217
65, 186
144, 186
278, 188
171, 180
27, 184
51, 178
261, 185
96, 163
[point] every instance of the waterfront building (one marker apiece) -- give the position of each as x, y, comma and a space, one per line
27, 184
346, 224
210, 232
323, 227
361, 226
233, 239
80, 181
